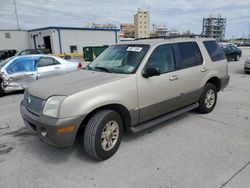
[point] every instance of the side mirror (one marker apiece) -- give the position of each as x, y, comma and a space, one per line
150, 72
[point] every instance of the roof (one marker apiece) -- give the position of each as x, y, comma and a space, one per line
72, 28
12, 30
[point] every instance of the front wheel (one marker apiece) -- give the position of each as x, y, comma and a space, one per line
1, 89
208, 99
103, 134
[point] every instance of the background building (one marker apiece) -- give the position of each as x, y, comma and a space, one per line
159, 31
214, 27
142, 24
14, 39
127, 30
58, 39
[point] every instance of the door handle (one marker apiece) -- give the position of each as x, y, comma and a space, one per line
174, 77
203, 69
57, 67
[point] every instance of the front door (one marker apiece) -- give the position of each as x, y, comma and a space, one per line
22, 71
158, 95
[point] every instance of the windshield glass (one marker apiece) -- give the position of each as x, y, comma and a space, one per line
2, 63
123, 59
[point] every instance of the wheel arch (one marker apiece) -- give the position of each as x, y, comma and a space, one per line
120, 109
216, 81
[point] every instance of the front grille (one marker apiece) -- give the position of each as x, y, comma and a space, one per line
33, 104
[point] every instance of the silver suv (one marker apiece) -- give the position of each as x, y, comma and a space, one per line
130, 86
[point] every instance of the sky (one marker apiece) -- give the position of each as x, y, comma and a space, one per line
182, 15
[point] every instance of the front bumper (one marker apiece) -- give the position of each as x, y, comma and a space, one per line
224, 81
52, 126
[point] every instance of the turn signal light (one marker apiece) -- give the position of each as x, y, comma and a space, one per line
66, 129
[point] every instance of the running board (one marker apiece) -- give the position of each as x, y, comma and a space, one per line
162, 119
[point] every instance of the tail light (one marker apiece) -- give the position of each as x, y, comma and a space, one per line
79, 65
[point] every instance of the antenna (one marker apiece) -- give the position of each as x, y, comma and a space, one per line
17, 21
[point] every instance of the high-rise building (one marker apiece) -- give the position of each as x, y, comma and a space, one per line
214, 27
142, 24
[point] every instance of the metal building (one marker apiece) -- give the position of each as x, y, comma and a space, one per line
58, 39
214, 27
14, 39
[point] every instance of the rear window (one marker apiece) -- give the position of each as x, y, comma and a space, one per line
214, 50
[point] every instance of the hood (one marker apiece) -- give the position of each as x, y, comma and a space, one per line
71, 83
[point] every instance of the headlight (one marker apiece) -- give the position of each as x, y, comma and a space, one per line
52, 105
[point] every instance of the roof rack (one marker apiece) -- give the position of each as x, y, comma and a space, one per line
177, 36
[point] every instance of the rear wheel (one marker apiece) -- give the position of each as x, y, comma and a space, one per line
103, 134
208, 99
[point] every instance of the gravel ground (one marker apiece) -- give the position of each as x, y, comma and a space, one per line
192, 150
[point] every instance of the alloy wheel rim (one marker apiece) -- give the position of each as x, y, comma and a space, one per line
210, 98
110, 134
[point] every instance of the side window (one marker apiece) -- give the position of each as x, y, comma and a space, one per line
187, 54
47, 61
198, 55
214, 50
21, 65
163, 58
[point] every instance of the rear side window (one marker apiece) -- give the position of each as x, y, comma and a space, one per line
47, 61
187, 54
198, 56
214, 50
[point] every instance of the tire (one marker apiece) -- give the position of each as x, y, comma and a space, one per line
206, 106
1, 89
237, 57
247, 72
96, 146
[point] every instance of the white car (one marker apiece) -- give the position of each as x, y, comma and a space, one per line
16, 73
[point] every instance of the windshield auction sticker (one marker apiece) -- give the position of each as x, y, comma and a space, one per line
134, 49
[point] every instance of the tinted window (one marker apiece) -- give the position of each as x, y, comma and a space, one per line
187, 54
46, 61
22, 65
162, 58
214, 50
198, 56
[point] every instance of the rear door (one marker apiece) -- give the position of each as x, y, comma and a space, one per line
48, 66
191, 71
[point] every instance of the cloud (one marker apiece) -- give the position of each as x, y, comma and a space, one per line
180, 14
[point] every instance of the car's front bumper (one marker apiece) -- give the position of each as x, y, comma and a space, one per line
56, 132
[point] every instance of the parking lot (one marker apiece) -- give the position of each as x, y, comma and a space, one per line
192, 150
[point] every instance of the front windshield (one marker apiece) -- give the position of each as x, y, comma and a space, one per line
123, 59
4, 62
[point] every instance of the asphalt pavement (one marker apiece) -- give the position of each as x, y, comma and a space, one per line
192, 150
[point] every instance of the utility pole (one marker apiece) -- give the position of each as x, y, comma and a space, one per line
17, 21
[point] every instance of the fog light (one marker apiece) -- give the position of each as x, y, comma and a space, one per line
43, 132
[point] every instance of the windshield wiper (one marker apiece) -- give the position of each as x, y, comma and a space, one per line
104, 69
